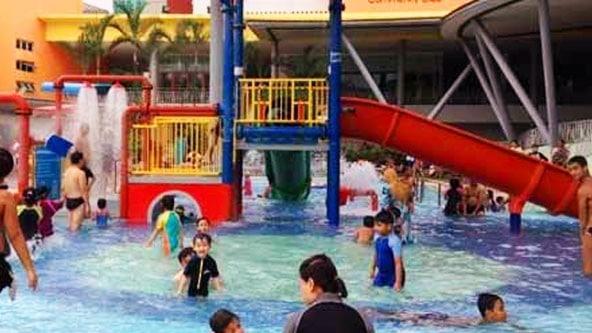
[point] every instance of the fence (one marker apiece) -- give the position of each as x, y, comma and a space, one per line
573, 132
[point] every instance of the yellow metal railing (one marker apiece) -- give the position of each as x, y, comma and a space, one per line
180, 146
283, 101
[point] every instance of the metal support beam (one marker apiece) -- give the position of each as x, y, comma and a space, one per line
216, 51
512, 80
363, 69
401, 74
334, 128
442, 102
548, 71
486, 87
496, 89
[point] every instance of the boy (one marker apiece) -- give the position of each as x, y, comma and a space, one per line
200, 269
492, 308
102, 215
184, 258
29, 214
387, 265
224, 321
169, 226
10, 231
75, 191
49, 208
365, 234
203, 225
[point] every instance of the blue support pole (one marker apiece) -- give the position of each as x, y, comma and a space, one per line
227, 94
334, 128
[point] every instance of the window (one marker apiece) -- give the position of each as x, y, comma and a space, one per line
25, 66
25, 87
24, 45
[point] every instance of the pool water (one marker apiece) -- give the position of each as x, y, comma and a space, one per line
106, 281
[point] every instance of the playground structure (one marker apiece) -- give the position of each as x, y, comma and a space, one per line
198, 150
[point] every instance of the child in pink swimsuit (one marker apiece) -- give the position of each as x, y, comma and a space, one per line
49, 208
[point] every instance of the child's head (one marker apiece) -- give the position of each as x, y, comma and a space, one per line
454, 183
29, 196
180, 209
42, 192
224, 321
492, 308
395, 211
77, 158
168, 202
383, 222
102, 203
368, 221
490, 194
185, 256
202, 243
499, 200
203, 225
6, 163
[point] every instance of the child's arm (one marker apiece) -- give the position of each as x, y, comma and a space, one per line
182, 284
181, 236
398, 273
373, 267
153, 236
217, 283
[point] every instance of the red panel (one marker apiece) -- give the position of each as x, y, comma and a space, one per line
215, 200
180, 6
488, 162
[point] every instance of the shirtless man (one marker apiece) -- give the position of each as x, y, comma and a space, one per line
75, 190
578, 168
10, 230
474, 198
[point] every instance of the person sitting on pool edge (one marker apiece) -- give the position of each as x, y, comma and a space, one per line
169, 226
224, 321
365, 234
200, 269
387, 267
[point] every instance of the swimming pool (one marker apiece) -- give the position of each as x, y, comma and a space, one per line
106, 281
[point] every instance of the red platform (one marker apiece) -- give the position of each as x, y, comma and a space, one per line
214, 200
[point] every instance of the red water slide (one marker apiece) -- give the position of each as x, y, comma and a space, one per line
488, 162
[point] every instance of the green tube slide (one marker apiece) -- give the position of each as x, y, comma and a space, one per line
289, 174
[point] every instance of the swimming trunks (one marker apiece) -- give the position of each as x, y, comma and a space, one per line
5, 274
74, 203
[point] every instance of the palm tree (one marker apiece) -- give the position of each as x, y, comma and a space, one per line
90, 44
308, 64
135, 28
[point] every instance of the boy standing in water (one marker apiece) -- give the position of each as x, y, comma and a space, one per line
169, 226
11, 231
200, 269
387, 265
365, 234
578, 168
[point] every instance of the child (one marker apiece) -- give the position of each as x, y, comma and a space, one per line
169, 226
180, 210
248, 186
184, 258
48, 208
491, 308
29, 215
101, 215
387, 265
453, 198
200, 269
501, 203
365, 233
224, 321
203, 225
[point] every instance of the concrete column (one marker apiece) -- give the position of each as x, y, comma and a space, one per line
401, 73
549, 72
216, 51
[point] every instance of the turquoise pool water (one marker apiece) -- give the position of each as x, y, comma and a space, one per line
106, 281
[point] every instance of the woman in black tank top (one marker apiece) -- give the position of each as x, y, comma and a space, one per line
322, 291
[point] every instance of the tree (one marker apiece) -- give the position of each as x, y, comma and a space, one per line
308, 65
90, 44
135, 28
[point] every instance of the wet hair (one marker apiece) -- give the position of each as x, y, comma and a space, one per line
486, 301
180, 207
101, 203
322, 271
29, 196
454, 183
368, 221
6, 163
203, 219
76, 157
220, 320
499, 199
168, 202
202, 236
42, 192
385, 217
398, 229
490, 194
394, 210
188, 251
579, 160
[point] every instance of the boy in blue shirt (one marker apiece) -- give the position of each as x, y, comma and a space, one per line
387, 265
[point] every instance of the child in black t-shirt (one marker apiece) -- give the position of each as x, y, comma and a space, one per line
200, 269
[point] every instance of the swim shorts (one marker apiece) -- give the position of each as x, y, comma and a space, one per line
5, 274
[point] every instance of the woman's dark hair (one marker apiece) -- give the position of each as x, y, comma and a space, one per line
322, 271
221, 319
454, 183
102, 203
6, 163
486, 302
76, 157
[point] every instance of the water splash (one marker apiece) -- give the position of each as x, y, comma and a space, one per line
360, 176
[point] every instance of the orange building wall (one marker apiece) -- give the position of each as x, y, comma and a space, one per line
20, 20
